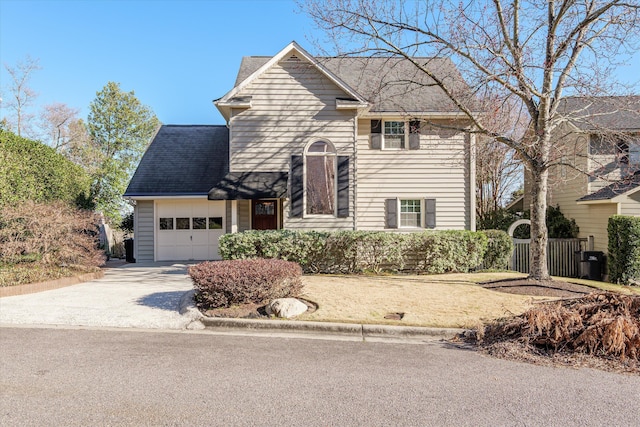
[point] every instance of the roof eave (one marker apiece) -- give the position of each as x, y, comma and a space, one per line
594, 202
153, 196
426, 114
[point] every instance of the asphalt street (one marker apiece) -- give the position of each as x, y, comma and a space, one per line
73, 377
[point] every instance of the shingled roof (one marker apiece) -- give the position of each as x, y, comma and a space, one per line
182, 160
618, 188
602, 112
390, 84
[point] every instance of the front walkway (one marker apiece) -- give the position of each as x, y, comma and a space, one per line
130, 295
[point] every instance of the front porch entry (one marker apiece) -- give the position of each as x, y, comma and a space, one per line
265, 214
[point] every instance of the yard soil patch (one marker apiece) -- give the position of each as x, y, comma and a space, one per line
550, 288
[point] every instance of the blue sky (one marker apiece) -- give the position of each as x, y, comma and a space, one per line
176, 55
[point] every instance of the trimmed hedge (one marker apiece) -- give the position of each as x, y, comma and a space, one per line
624, 249
30, 170
226, 283
361, 251
499, 250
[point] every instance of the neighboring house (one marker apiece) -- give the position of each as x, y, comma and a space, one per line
599, 144
310, 144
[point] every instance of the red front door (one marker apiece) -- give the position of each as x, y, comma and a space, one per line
264, 214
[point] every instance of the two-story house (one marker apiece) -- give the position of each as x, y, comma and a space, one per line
310, 144
598, 150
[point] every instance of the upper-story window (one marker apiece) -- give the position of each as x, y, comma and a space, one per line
320, 179
623, 151
394, 135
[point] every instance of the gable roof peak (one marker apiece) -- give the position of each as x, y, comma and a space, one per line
300, 53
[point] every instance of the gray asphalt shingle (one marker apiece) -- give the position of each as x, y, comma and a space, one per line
182, 160
617, 188
602, 113
389, 84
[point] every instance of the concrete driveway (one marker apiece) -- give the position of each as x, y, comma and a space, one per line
130, 295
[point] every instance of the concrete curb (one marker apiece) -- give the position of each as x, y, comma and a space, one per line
354, 330
31, 288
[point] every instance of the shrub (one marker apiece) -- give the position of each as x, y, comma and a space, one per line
624, 249
305, 248
499, 250
30, 170
227, 283
498, 219
50, 234
446, 251
558, 225
359, 251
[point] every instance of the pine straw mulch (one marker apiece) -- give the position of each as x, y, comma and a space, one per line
599, 330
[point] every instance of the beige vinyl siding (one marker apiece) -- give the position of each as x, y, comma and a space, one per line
144, 230
244, 215
596, 224
630, 206
439, 170
566, 187
292, 105
227, 212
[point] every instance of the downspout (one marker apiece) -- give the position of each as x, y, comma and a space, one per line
472, 181
355, 171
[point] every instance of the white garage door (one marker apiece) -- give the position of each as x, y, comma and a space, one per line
189, 230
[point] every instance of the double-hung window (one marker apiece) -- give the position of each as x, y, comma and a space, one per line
410, 213
394, 135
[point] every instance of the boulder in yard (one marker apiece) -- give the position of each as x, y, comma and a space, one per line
286, 307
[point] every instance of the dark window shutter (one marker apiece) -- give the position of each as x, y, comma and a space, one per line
391, 213
414, 135
343, 186
376, 134
296, 196
430, 213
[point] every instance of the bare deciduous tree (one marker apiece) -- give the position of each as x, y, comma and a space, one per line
520, 58
21, 96
498, 174
56, 123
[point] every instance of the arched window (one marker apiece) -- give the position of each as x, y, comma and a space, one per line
320, 179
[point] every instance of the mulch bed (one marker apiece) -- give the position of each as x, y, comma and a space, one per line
250, 311
551, 288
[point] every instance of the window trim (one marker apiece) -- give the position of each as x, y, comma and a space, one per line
421, 213
408, 144
333, 153
405, 135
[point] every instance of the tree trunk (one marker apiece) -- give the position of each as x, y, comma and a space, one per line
538, 268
